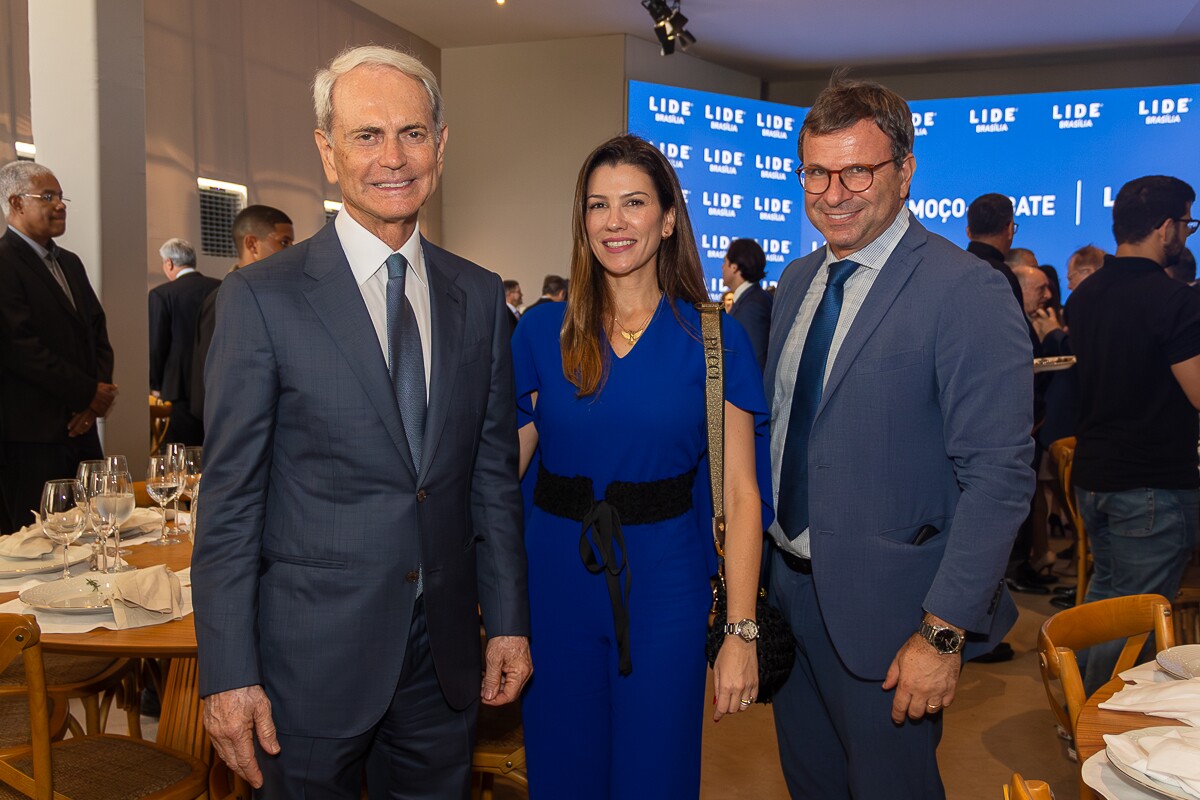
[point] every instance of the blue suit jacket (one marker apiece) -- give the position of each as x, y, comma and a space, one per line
312, 520
925, 420
753, 311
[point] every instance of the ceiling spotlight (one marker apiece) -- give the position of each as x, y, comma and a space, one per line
669, 25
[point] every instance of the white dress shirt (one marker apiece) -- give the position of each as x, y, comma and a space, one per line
872, 257
368, 257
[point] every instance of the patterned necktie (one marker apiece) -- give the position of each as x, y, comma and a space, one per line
405, 357
806, 396
57, 273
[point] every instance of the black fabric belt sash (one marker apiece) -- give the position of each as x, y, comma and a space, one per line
604, 551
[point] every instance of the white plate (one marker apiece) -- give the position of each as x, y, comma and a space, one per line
1110, 783
16, 567
1181, 662
90, 593
1142, 778
1053, 364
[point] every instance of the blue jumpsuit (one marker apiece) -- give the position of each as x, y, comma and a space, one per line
591, 732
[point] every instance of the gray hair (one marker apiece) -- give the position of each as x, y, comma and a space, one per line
16, 177
374, 55
180, 251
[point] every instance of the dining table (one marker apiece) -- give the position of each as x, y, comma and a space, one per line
1094, 721
181, 721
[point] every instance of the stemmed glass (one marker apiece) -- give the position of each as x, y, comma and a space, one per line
113, 500
84, 475
116, 464
61, 517
162, 484
193, 461
176, 452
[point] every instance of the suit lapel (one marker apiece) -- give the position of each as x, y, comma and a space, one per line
337, 301
36, 265
891, 279
447, 328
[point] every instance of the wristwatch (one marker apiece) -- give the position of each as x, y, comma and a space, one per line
747, 629
944, 639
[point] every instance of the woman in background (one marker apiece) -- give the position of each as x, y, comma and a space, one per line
610, 390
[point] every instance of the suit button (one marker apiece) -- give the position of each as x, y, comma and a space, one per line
422, 495
413, 576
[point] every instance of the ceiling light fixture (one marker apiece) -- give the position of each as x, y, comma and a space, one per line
669, 25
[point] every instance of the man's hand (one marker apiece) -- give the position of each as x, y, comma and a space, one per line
81, 423
233, 718
923, 678
508, 667
1044, 321
102, 401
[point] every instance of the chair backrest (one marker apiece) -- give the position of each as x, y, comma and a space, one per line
160, 421
1021, 789
1063, 453
1132, 618
21, 636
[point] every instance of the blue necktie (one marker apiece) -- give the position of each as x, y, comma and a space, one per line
405, 357
806, 396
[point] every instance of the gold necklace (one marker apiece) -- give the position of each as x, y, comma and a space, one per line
632, 336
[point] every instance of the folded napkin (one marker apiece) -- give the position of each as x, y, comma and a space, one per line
141, 518
29, 542
1172, 756
1150, 672
1174, 700
147, 597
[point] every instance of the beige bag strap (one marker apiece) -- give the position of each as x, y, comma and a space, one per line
714, 404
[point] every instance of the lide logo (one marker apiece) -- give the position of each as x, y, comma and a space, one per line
677, 154
1164, 110
1075, 115
722, 204
725, 162
993, 120
773, 209
670, 110
775, 168
724, 118
923, 121
774, 126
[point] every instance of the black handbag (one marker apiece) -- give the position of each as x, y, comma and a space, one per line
776, 644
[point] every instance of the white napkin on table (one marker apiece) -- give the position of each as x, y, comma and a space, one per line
29, 542
1174, 700
1172, 757
147, 597
142, 518
1150, 672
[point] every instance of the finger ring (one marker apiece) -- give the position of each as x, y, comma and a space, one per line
745, 702
932, 706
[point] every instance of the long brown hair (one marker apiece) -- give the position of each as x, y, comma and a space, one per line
589, 301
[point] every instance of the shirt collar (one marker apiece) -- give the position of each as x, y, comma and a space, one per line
367, 253
741, 290
184, 271
42, 252
876, 254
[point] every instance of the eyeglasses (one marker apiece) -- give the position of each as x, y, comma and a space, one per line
856, 177
48, 197
1190, 224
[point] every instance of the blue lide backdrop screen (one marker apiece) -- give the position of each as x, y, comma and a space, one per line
1060, 156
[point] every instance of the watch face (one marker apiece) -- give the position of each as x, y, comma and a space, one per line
749, 630
947, 640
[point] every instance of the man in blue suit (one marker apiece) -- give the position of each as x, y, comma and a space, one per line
360, 496
901, 397
742, 271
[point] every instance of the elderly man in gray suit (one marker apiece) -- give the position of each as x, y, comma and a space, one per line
360, 497
900, 387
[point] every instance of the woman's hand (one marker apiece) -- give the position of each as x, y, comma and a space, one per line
735, 676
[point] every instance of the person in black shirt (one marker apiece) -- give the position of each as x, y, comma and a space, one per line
1136, 335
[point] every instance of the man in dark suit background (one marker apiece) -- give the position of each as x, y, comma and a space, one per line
512, 299
258, 232
990, 231
173, 312
56, 362
554, 290
361, 503
744, 268
900, 388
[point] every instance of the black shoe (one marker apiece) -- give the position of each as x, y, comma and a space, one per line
1024, 573
999, 653
1016, 585
1063, 601
1054, 523
151, 705
1065, 591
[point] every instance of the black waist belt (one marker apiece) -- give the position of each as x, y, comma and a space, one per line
624, 501
796, 563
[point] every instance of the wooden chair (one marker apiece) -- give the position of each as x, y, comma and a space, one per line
160, 421
1063, 453
93, 767
1133, 618
1186, 615
499, 750
96, 681
1021, 789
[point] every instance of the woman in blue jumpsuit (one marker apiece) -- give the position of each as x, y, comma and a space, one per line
610, 392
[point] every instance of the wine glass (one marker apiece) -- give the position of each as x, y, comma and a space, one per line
113, 500
162, 484
193, 460
61, 517
116, 464
176, 452
83, 474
